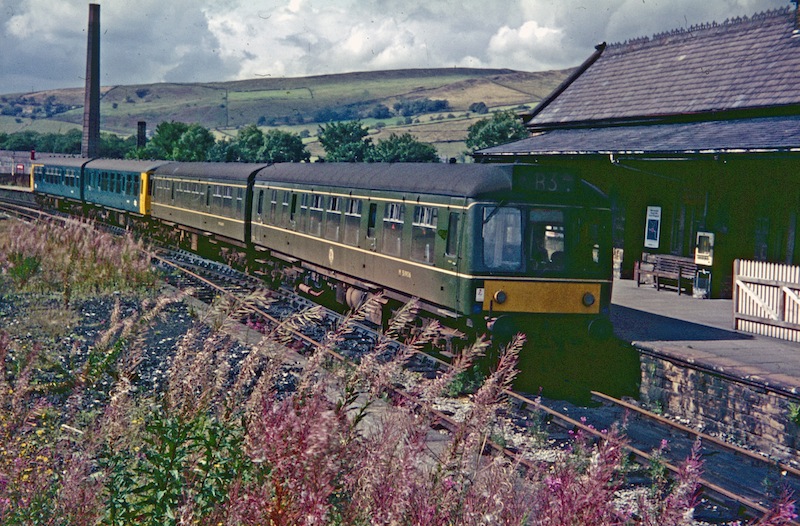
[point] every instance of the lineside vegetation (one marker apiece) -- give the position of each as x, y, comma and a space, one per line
99, 427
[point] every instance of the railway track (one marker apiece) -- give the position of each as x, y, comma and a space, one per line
737, 483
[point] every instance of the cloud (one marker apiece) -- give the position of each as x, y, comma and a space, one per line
44, 41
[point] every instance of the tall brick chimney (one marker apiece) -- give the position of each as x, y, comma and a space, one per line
90, 143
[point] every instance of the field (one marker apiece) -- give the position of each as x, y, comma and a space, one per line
294, 104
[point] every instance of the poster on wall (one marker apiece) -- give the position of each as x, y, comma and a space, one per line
652, 229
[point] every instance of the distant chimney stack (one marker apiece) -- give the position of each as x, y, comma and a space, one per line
90, 143
141, 134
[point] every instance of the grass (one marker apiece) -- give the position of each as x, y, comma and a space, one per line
225, 439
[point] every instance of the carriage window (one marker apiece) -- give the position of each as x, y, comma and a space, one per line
285, 209
372, 220
393, 218
315, 215
452, 234
423, 233
239, 199
273, 206
293, 210
352, 221
303, 213
333, 222
546, 239
502, 238
260, 206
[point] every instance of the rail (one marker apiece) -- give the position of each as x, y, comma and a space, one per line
766, 299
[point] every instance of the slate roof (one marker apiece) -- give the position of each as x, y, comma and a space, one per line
739, 64
738, 135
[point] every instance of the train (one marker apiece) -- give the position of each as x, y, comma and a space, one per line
482, 247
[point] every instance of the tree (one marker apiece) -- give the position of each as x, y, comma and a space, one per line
248, 143
404, 148
282, 147
162, 145
345, 141
193, 144
503, 127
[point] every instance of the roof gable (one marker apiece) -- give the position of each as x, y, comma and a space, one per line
741, 64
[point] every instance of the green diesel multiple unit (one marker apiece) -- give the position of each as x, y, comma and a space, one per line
476, 244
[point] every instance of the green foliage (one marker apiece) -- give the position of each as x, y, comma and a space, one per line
193, 144
274, 146
73, 258
403, 148
345, 141
502, 128
407, 108
164, 141
181, 463
283, 147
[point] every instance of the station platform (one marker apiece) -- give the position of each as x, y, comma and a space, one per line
700, 332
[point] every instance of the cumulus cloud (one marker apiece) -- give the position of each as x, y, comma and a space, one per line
44, 41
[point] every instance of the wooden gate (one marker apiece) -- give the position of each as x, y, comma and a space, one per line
766, 299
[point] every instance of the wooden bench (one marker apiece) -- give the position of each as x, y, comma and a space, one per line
667, 270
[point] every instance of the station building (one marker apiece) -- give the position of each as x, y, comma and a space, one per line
695, 136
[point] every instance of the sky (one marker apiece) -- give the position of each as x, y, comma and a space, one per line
43, 42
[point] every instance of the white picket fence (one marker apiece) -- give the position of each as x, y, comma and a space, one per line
766, 299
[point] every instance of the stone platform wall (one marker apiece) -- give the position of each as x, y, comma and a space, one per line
745, 414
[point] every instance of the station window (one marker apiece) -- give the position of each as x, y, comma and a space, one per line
423, 233
352, 221
502, 238
333, 220
315, 215
393, 219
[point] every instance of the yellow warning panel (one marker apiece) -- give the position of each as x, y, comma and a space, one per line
542, 297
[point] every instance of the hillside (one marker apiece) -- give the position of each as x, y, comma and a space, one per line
297, 104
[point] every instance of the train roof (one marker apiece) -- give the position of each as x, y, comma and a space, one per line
457, 180
70, 162
216, 171
124, 165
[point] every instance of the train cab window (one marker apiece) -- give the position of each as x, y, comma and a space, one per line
352, 222
372, 219
502, 238
451, 247
333, 220
423, 233
393, 219
546, 239
315, 215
